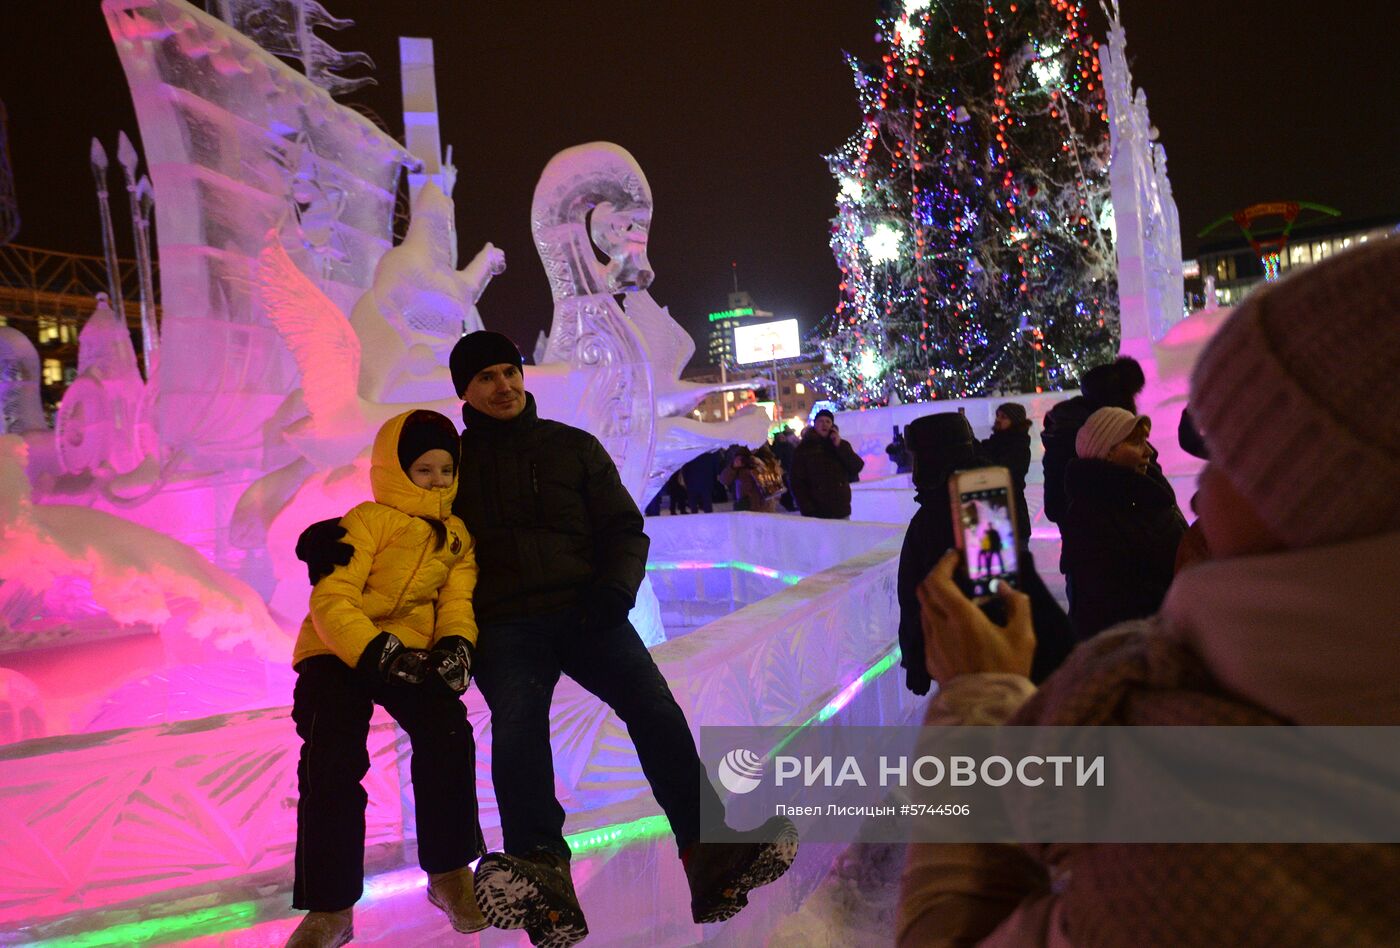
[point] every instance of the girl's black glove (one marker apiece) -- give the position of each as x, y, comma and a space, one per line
451, 658
386, 659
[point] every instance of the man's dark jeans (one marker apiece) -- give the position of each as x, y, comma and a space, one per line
518, 663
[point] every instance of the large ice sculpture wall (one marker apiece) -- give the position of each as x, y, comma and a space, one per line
1151, 290
239, 143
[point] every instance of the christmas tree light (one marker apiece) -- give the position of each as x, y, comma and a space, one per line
973, 220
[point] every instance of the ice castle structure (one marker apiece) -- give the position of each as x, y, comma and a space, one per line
146, 575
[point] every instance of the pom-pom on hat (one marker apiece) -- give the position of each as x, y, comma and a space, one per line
1295, 396
423, 431
478, 350
1105, 429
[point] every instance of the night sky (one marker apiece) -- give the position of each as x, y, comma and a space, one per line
729, 106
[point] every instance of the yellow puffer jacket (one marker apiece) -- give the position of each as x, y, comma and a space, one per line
396, 582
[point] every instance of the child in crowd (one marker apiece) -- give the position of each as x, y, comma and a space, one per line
394, 627
1122, 528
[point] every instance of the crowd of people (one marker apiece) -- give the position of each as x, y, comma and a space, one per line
1278, 608
511, 555
811, 475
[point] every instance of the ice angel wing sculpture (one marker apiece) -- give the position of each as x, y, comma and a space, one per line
325, 347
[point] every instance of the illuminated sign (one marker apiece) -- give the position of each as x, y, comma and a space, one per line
767, 341
731, 313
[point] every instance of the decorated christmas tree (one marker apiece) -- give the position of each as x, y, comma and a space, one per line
973, 226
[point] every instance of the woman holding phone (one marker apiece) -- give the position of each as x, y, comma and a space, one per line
1291, 622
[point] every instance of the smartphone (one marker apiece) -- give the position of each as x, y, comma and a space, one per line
984, 524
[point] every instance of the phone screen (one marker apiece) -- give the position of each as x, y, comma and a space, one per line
989, 543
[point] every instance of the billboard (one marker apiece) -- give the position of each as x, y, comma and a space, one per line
766, 341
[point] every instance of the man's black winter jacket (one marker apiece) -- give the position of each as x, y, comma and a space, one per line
549, 515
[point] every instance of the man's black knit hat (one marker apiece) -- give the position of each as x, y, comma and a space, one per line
422, 432
478, 350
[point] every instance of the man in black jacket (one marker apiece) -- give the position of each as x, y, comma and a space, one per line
561, 552
823, 467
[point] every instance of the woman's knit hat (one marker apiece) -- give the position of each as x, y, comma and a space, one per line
1104, 430
1016, 412
1298, 399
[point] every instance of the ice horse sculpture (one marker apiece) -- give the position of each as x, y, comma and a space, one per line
419, 305
594, 199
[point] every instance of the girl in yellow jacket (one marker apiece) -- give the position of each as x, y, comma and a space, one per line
394, 627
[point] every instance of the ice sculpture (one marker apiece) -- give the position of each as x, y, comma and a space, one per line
104, 424
598, 187
68, 573
21, 708
21, 409
355, 374
1151, 290
239, 143
594, 199
420, 305
284, 27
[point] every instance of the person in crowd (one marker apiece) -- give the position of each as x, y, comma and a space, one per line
742, 480
1009, 446
699, 475
677, 495
561, 553
1116, 384
823, 467
770, 476
898, 452
940, 445
784, 446
382, 630
1122, 529
1292, 622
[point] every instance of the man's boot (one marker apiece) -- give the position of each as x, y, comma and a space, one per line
721, 875
323, 930
534, 892
454, 893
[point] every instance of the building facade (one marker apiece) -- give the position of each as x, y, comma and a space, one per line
796, 394
1237, 269
48, 296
